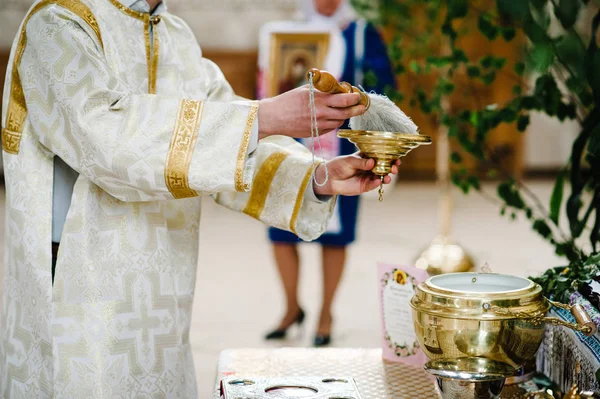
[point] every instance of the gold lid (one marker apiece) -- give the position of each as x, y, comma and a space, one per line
480, 296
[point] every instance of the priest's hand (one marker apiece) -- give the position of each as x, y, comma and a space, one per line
288, 114
350, 175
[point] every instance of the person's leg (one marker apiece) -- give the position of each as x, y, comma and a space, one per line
288, 266
334, 258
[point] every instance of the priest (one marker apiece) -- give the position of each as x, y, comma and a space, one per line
113, 127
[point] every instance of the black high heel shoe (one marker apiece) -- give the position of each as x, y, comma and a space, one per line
280, 333
322, 340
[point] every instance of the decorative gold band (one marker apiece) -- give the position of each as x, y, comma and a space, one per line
262, 184
240, 186
181, 149
17, 107
300, 197
132, 13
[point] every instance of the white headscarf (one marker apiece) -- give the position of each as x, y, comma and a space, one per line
342, 17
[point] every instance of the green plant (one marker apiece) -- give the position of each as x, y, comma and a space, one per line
560, 55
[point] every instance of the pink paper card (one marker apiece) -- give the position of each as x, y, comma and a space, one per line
397, 285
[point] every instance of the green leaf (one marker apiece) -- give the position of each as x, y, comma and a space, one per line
456, 157
542, 228
486, 27
473, 71
516, 9
507, 115
459, 56
541, 57
594, 77
517, 90
509, 33
536, 33
547, 93
522, 122
598, 375
593, 149
570, 50
448, 30
557, 197
510, 195
487, 61
499, 62
489, 78
474, 182
566, 12
438, 61
414, 66
530, 103
520, 68
594, 259
539, 4
566, 111
457, 8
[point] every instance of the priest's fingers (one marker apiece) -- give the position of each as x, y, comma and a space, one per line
343, 100
370, 185
340, 113
357, 163
374, 183
386, 180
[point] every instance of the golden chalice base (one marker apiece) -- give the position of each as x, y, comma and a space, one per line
384, 147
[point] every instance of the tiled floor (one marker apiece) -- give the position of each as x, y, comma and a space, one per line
238, 296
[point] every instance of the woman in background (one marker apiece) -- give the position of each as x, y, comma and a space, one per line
365, 52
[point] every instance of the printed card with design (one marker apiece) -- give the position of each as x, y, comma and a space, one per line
397, 285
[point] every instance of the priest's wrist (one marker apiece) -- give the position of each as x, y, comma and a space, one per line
320, 175
264, 125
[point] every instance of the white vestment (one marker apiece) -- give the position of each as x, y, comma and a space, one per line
127, 101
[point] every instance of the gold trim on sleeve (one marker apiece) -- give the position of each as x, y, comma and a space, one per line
240, 186
132, 13
17, 107
148, 55
262, 184
181, 149
300, 197
153, 63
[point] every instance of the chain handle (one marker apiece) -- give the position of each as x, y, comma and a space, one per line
314, 131
539, 318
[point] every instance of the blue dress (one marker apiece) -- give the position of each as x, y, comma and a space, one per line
375, 61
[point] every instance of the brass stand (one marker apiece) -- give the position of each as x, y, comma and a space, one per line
443, 255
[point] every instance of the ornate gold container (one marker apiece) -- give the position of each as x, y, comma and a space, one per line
493, 316
384, 147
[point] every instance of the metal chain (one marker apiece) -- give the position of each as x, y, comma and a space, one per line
314, 131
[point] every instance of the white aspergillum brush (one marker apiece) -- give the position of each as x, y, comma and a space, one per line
382, 114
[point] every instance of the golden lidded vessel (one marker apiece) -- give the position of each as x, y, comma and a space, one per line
485, 315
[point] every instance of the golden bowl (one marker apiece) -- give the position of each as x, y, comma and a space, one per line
485, 315
384, 147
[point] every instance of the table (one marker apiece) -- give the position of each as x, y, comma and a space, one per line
375, 378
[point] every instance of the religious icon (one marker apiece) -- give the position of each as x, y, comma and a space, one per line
292, 55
